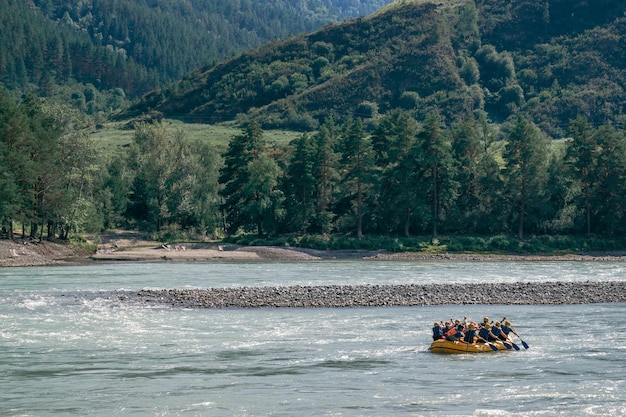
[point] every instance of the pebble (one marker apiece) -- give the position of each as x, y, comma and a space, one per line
330, 296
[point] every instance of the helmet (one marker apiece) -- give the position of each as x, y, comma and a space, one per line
498, 323
472, 325
508, 323
436, 324
488, 326
486, 320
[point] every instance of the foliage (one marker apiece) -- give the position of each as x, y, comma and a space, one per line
423, 56
95, 53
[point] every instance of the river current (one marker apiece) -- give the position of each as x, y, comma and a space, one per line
67, 349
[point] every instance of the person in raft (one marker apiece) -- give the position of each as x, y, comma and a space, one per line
437, 331
455, 332
485, 333
470, 334
506, 328
496, 329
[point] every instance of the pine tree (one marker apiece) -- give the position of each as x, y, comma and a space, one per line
235, 175
394, 142
436, 169
300, 185
357, 163
526, 157
325, 169
581, 158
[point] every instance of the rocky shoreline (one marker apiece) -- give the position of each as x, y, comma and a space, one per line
333, 296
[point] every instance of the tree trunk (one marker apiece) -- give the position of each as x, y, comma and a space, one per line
435, 202
588, 215
520, 232
359, 214
407, 222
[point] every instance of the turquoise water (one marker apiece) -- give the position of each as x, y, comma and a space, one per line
68, 351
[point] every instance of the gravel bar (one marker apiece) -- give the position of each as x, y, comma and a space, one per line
386, 295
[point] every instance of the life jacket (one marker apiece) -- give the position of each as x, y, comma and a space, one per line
450, 332
437, 332
469, 336
484, 333
506, 329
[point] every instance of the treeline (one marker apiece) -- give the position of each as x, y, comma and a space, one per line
408, 178
395, 177
54, 181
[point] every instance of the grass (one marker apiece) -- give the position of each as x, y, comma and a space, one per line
113, 137
499, 244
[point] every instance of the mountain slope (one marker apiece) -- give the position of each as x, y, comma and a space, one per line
136, 45
551, 60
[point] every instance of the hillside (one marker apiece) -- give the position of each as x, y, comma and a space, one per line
549, 60
135, 46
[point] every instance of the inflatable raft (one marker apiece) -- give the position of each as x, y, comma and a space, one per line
447, 346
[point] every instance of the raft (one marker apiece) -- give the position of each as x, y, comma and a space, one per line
447, 346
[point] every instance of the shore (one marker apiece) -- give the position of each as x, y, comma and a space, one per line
130, 246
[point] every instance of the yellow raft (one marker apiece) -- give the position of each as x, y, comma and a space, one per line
447, 346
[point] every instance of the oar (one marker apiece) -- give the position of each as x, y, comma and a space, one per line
515, 333
491, 345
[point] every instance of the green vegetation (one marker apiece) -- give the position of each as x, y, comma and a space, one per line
536, 58
425, 126
95, 54
404, 179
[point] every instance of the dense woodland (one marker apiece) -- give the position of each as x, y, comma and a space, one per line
77, 50
404, 178
422, 119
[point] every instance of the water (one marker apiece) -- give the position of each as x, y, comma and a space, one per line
67, 351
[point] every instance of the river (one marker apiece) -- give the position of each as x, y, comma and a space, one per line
66, 350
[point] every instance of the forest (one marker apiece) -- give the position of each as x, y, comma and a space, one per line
422, 119
403, 178
98, 54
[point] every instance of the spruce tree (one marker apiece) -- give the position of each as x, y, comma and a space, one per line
436, 171
525, 155
235, 174
357, 164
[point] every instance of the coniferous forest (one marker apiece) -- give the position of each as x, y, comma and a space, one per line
466, 130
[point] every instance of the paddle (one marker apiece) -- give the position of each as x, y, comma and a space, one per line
491, 345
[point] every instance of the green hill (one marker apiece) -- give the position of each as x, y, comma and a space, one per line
137, 46
550, 60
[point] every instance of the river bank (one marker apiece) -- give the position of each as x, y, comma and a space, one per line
129, 246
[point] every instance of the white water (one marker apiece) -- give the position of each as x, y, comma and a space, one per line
65, 351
